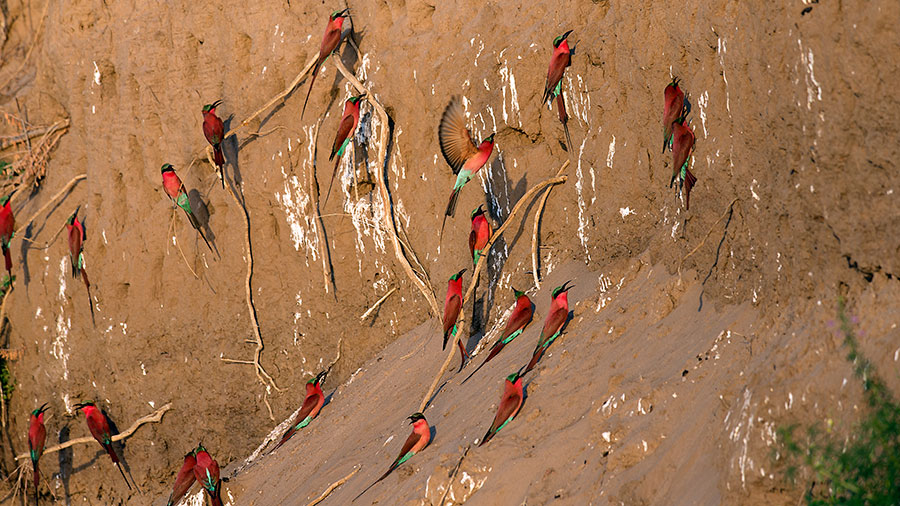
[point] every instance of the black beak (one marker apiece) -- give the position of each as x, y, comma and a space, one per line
566, 288
343, 13
321, 377
216, 103
43, 408
460, 273
566, 35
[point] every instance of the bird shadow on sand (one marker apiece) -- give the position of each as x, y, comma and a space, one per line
31, 231
201, 212
118, 446
65, 463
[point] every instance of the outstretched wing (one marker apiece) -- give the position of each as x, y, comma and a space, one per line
455, 139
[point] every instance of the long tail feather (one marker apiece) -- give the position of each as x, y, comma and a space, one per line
311, 81
383, 476
87, 285
689, 182
8, 257
534, 360
37, 481
219, 160
463, 355
487, 437
451, 205
115, 458
337, 163
196, 224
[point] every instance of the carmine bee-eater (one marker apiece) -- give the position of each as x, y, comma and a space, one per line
183, 480
510, 403
518, 320
76, 253
349, 120
416, 441
556, 318
452, 306
176, 191
460, 151
562, 58
480, 234
672, 110
7, 228
99, 427
214, 130
315, 398
206, 472
682, 147
37, 436
330, 42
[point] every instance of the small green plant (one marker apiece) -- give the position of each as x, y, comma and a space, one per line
863, 469
6, 383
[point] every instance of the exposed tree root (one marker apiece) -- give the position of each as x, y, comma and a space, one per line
333, 486
378, 303
419, 279
261, 373
453, 475
535, 270
52, 200
461, 322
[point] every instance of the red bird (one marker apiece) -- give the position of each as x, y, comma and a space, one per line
416, 441
452, 306
206, 472
214, 131
37, 436
76, 253
682, 147
178, 193
562, 58
673, 109
183, 480
330, 42
345, 132
510, 403
480, 234
99, 427
460, 151
556, 318
7, 228
315, 398
518, 320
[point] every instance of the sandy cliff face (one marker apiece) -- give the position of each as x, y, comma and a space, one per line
796, 126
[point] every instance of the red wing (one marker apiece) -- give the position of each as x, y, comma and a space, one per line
408, 445
518, 320
455, 140
74, 242
329, 42
684, 142
308, 405
343, 132
451, 312
555, 72
37, 439
509, 405
213, 129
554, 322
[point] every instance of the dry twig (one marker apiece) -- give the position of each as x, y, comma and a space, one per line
453, 475
12, 140
47, 204
535, 271
708, 232
461, 322
37, 33
333, 486
154, 417
377, 303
